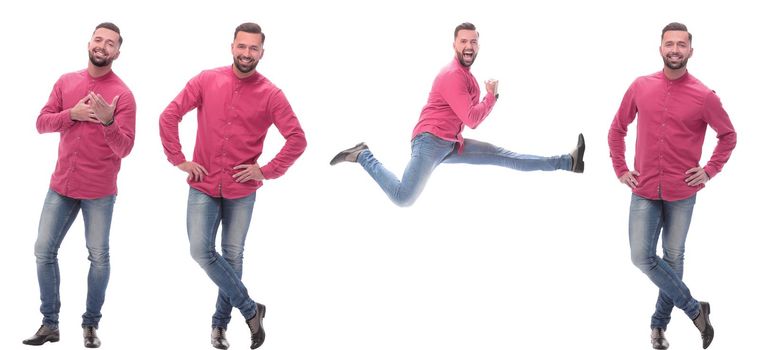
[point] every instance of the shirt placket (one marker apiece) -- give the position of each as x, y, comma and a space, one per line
76, 145
226, 135
660, 137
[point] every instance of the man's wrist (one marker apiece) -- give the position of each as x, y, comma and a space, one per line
108, 123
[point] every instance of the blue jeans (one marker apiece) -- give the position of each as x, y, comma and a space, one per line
428, 151
649, 218
204, 214
58, 213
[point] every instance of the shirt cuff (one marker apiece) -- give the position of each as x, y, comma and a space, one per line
176, 160
67, 121
268, 172
710, 172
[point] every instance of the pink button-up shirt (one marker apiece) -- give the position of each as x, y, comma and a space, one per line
454, 101
233, 117
89, 154
672, 120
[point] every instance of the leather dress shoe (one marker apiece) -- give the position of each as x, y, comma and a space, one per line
578, 165
257, 333
349, 155
658, 341
219, 338
704, 325
43, 335
91, 339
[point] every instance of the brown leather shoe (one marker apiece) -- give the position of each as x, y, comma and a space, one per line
91, 339
219, 338
349, 155
658, 341
704, 325
257, 333
43, 335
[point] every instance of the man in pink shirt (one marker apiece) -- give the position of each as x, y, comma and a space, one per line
236, 105
454, 102
673, 110
94, 113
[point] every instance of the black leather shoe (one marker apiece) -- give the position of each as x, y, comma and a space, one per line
219, 338
257, 333
349, 155
704, 325
578, 165
91, 339
658, 341
43, 335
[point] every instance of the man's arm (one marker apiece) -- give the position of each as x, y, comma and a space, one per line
455, 92
52, 117
168, 123
618, 130
727, 138
119, 133
295, 139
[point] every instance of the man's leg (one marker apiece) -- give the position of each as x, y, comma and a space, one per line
58, 213
478, 152
203, 217
646, 221
236, 216
97, 215
427, 151
677, 217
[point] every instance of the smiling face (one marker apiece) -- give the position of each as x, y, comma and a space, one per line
466, 46
675, 49
103, 47
247, 50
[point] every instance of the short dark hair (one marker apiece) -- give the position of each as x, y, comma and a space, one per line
466, 26
675, 26
111, 26
250, 27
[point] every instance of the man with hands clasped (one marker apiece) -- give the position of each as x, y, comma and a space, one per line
94, 136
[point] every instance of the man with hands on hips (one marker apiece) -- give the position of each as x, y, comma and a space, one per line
673, 109
235, 105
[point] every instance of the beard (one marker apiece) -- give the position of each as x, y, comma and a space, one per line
100, 62
460, 56
243, 68
675, 65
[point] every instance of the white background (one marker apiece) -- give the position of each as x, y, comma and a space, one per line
488, 258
